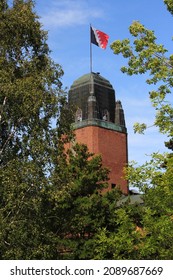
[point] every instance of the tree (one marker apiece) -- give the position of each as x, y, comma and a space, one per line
146, 56
52, 218
51, 200
30, 81
51, 203
30, 96
154, 178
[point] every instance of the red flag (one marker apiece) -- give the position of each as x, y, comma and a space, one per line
99, 38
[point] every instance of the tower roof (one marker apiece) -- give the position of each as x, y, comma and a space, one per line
86, 79
94, 99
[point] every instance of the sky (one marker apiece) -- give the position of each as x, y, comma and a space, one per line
68, 22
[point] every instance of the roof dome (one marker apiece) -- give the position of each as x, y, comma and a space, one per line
96, 78
94, 99
93, 84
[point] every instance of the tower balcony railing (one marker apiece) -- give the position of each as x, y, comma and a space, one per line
100, 123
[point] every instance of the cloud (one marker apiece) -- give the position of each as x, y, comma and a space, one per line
70, 12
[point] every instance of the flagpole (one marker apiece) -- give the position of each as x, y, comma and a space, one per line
90, 52
91, 78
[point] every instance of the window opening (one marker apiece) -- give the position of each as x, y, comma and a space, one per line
78, 117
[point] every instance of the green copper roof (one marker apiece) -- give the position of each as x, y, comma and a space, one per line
132, 199
86, 79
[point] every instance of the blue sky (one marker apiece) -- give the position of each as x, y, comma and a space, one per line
67, 22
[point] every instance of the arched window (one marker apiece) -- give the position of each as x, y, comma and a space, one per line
105, 115
78, 116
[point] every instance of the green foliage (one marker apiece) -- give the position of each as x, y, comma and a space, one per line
146, 56
154, 178
50, 198
142, 232
139, 127
169, 5
30, 94
29, 82
49, 217
52, 204
120, 243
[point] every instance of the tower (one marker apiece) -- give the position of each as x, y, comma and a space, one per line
100, 124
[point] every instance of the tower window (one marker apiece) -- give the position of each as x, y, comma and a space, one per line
78, 116
105, 115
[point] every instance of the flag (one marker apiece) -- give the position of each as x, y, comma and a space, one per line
99, 38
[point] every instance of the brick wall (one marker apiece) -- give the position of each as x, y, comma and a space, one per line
112, 145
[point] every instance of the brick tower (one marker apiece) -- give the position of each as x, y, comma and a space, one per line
100, 124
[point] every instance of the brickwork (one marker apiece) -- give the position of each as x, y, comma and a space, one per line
112, 145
